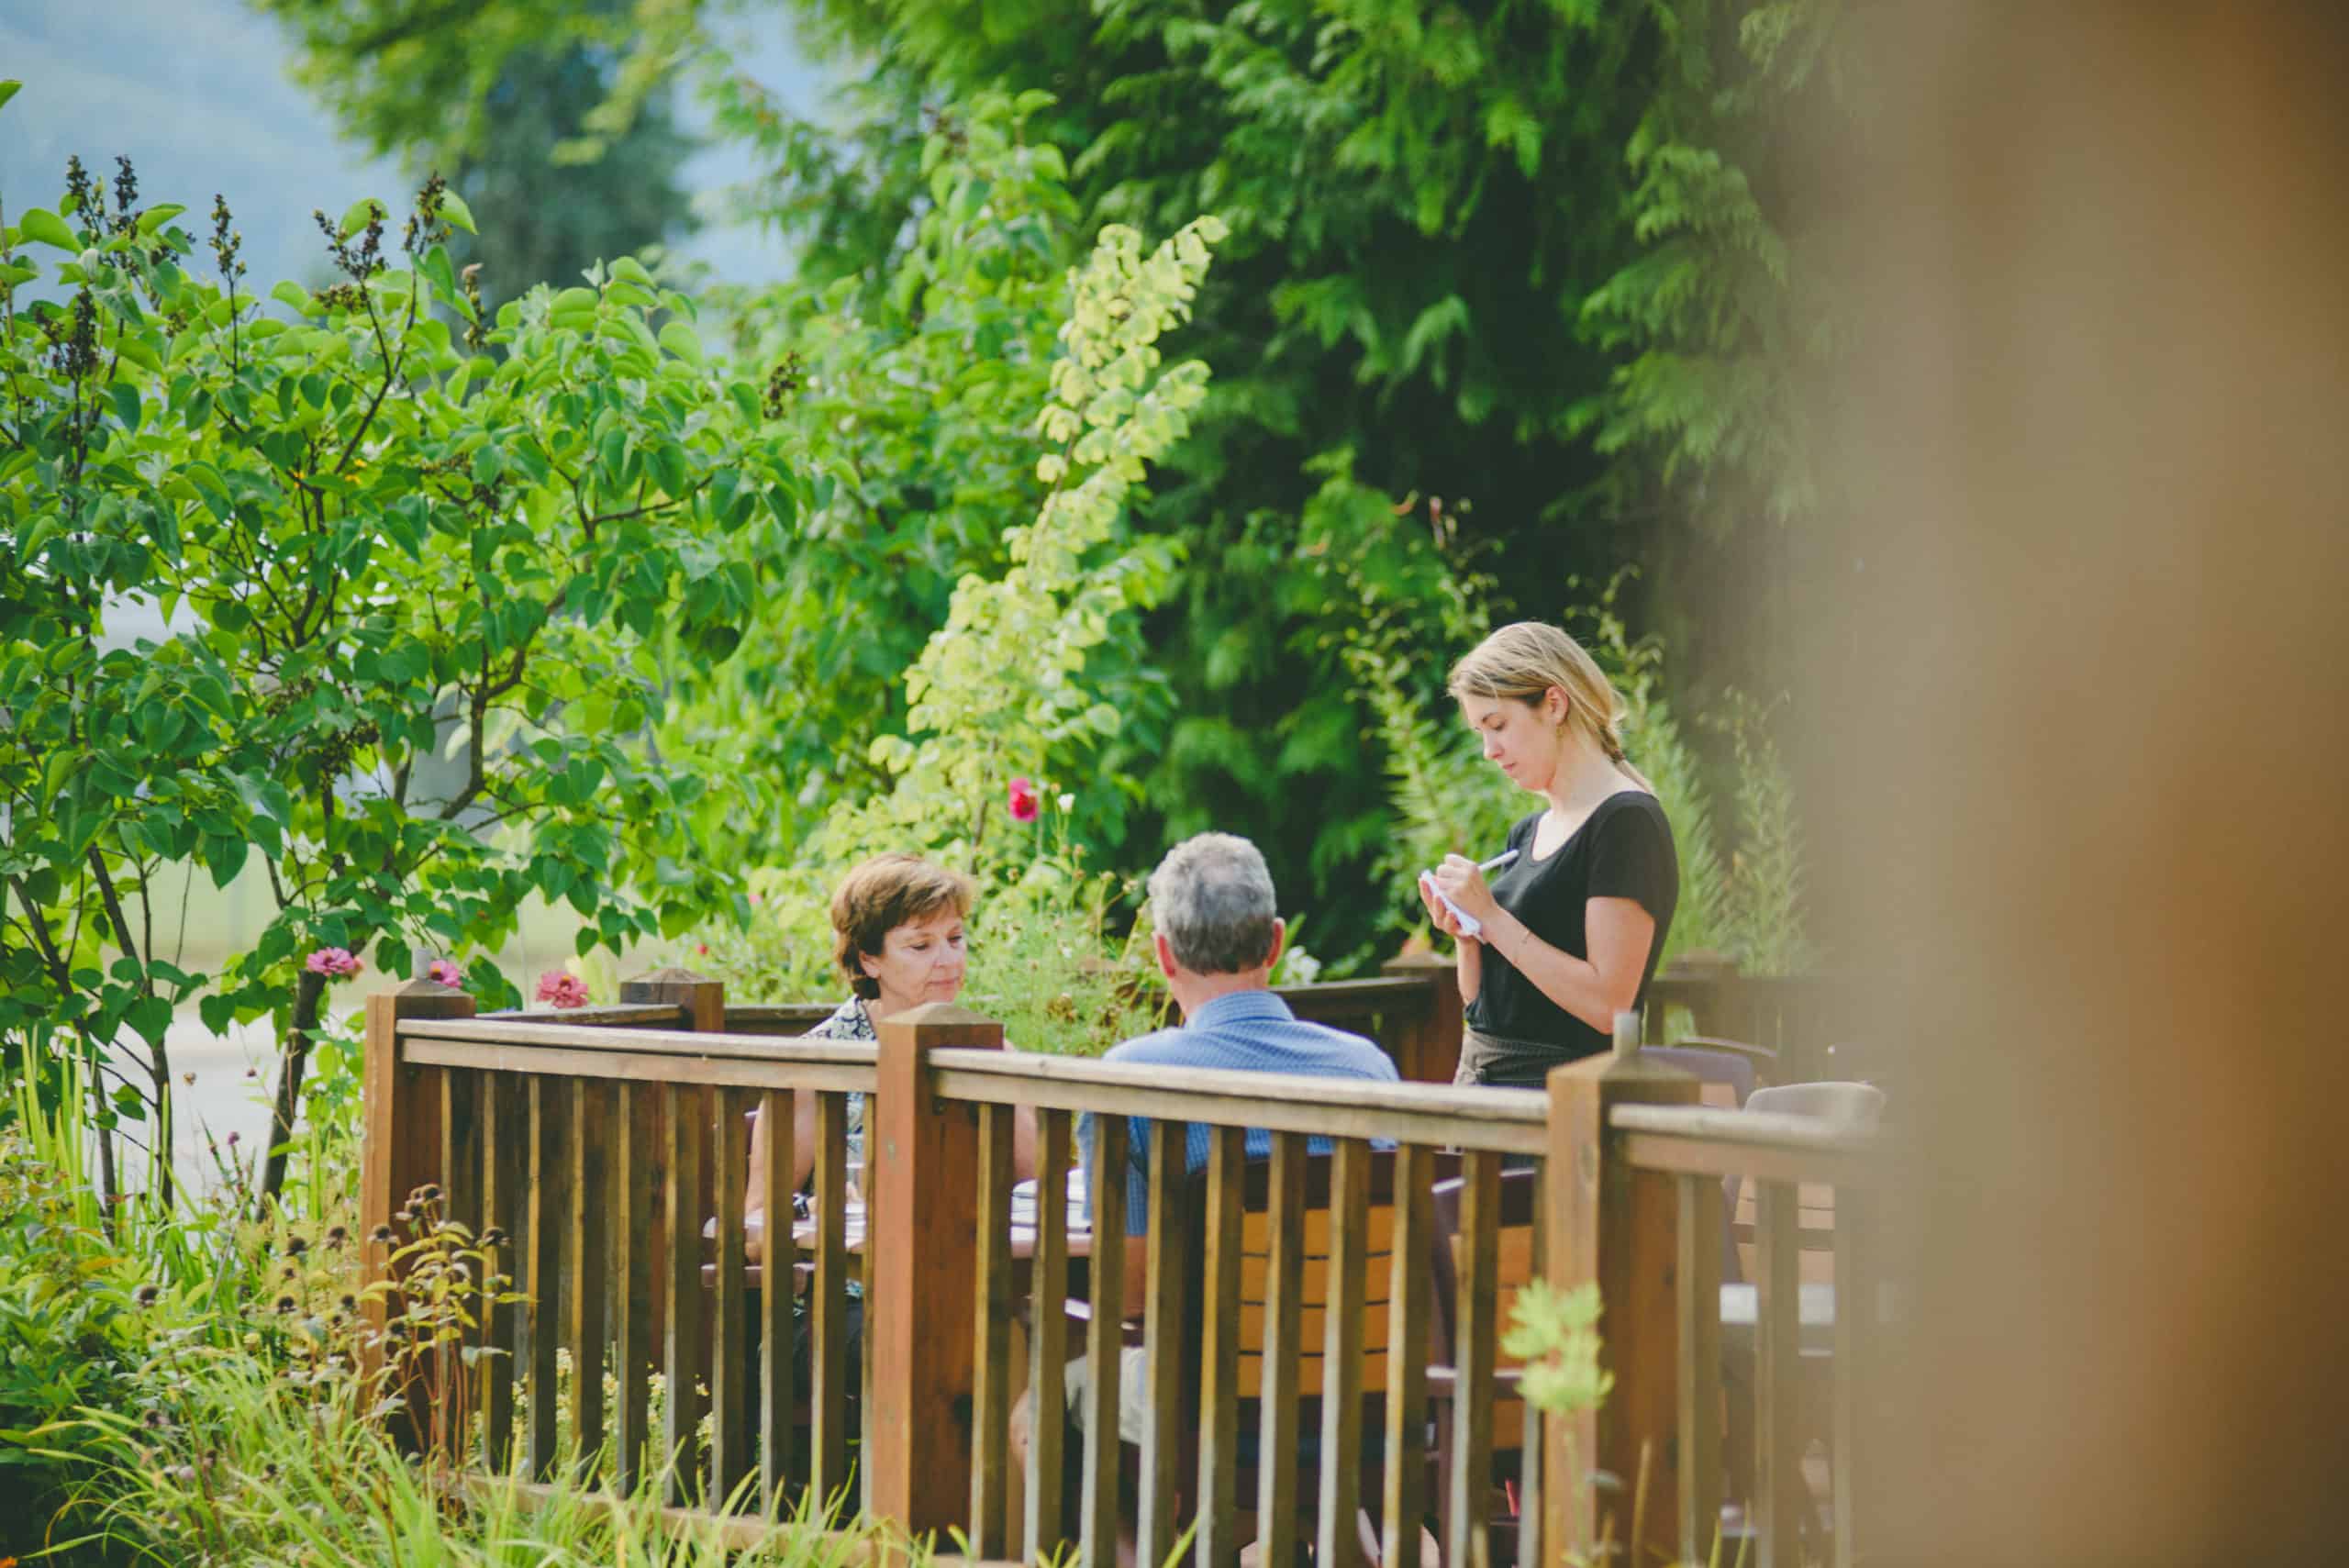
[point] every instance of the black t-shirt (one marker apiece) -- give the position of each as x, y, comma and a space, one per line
1623, 851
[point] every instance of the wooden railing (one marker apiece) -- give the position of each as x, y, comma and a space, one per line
1665, 1167
1807, 1020
598, 1148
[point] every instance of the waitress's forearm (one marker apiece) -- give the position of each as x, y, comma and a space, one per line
1471, 968
1574, 983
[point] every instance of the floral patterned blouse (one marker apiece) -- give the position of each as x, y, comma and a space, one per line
850, 1021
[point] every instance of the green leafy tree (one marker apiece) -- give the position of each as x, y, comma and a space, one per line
536, 134
909, 414
1528, 257
414, 595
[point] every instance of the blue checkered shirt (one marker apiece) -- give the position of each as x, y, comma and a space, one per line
1247, 1031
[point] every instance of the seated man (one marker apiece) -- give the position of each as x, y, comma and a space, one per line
1217, 938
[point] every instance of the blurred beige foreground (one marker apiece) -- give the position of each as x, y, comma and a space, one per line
2084, 657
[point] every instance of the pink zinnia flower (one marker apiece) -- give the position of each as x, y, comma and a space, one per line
336, 964
441, 972
1025, 801
561, 988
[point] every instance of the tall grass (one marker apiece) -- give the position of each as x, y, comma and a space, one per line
235, 1462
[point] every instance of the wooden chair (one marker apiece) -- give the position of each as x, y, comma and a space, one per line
1842, 1105
1518, 1215
1256, 1247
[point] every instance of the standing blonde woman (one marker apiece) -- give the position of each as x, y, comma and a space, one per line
1571, 928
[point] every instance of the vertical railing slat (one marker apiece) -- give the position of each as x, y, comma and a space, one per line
1530, 1515
729, 1362
592, 1209
1341, 1350
636, 1180
683, 1358
991, 1394
502, 1134
1047, 1340
460, 1101
1276, 1510
1698, 1468
1219, 1523
1410, 1295
779, 1261
544, 1226
866, 1182
1855, 1322
1104, 1342
828, 1304
1777, 1391
1472, 1446
1170, 1220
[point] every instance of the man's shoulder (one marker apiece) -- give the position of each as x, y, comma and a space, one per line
1292, 1045
1159, 1048
1353, 1055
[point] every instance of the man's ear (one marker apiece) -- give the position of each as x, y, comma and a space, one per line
1166, 953
1280, 939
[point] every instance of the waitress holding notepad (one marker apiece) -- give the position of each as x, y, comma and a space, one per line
1568, 931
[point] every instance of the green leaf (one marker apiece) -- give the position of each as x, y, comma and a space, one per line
358, 215
225, 857
292, 296
682, 341
9, 88
141, 352
460, 215
44, 227
667, 462
151, 1016
154, 217
125, 405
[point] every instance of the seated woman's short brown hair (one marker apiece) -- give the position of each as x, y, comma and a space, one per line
888, 890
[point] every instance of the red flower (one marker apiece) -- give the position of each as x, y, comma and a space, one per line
440, 971
1026, 804
333, 963
561, 988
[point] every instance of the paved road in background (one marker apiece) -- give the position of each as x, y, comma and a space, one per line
222, 1100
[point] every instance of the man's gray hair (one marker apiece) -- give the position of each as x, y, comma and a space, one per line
1212, 897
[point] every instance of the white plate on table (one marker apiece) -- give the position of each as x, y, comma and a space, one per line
1023, 1202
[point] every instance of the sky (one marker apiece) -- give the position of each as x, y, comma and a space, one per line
198, 92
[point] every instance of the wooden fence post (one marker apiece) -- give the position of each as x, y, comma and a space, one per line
704, 999
1617, 1226
920, 1315
1429, 1051
402, 1151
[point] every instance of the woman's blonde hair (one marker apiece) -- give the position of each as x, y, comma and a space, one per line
1523, 660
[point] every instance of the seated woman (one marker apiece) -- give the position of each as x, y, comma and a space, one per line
897, 937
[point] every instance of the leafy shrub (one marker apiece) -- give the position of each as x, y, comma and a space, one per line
412, 560
69, 1337
1007, 685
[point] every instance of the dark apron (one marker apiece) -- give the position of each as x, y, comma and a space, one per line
1500, 1063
